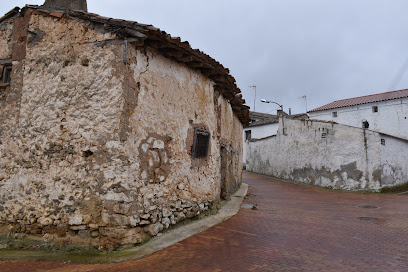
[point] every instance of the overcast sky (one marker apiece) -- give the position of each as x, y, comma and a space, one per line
324, 49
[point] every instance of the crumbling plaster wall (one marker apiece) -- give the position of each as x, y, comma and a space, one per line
6, 31
394, 161
330, 155
6, 41
99, 151
230, 131
68, 108
160, 184
158, 174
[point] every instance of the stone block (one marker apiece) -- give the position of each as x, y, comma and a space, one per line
76, 220
154, 229
45, 221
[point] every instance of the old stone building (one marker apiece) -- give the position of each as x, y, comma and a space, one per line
110, 130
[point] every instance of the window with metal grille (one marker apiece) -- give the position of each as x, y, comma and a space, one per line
201, 143
334, 113
6, 78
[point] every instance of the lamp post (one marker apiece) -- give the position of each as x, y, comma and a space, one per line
281, 106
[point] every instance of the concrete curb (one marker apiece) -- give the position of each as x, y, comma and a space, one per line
181, 233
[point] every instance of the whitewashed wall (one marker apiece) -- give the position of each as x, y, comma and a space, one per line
330, 155
391, 117
259, 132
394, 161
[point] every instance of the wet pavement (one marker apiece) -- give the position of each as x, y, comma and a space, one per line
291, 228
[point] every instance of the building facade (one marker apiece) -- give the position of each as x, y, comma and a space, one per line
331, 155
385, 112
110, 130
261, 125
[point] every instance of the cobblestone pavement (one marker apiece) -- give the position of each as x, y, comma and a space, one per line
295, 228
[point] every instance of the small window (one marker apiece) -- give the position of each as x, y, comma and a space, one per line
375, 108
201, 143
6, 78
366, 124
334, 113
248, 135
383, 141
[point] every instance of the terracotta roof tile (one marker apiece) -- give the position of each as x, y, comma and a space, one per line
57, 14
363, 100
171, 47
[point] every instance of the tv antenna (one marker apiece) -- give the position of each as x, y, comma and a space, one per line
254, 87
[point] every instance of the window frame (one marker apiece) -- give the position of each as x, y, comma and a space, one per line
248, 134
375, 109
6, 74
201, 144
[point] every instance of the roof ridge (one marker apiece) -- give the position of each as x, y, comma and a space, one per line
370, 95
360, 100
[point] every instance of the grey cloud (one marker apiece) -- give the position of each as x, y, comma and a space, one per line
327, 50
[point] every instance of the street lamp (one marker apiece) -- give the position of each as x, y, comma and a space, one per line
281, 106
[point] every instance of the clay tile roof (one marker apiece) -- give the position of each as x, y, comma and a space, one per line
57, 14
10, 14
364, 100
261, 119
170, 47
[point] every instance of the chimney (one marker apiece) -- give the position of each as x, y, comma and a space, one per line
66, 4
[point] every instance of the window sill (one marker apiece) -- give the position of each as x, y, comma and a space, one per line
2, 84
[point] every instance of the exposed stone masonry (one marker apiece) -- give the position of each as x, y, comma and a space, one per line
94, 151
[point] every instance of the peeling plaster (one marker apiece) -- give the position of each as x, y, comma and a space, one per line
348, 158
93, 151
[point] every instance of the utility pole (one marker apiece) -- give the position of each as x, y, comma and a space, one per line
254, 87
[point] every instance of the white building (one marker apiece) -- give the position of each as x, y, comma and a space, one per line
385, 112
263, 125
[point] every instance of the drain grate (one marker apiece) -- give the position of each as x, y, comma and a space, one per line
368, 207
369, 218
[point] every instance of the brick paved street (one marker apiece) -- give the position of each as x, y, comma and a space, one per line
296, 228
